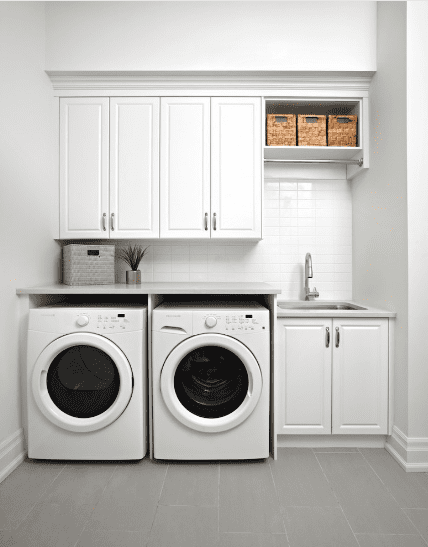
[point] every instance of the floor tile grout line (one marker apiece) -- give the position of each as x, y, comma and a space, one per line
326, 478
279, 504
185, 505
399, 535
157, 505
349, 524
392, 496
335, 495
41, 496
101, 495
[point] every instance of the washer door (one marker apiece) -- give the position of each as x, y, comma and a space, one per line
211, 382
82, 382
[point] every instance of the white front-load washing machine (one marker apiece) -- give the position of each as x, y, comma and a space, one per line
86, 383
211, 364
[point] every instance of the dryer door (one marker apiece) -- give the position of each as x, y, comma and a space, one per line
211, 382
82, 382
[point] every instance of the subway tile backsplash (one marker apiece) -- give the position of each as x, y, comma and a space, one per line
299, 217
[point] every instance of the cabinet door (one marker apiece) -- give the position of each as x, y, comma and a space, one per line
360, 376
84, 168
236, 168
134, 167
185, 167
304, 392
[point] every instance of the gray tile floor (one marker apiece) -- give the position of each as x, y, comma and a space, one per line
307, 498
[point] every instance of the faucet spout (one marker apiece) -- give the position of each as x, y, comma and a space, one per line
308, 266
309, 295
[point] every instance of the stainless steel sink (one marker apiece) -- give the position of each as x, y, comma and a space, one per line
319, 306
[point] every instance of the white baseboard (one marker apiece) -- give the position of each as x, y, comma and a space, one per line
336, 441
12, 453
410, 452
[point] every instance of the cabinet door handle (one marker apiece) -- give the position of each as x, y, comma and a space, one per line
337, 337
112, 222
215, 221
104, 222
206, 221
327, 337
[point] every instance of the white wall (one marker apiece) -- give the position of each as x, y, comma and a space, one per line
379, 196
417, 210
158, 36
28, 185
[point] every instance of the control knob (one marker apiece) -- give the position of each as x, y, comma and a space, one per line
82, 320
210, 322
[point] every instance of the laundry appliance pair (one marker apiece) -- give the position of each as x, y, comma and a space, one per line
87, 382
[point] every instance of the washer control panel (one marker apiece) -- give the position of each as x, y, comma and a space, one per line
233, 322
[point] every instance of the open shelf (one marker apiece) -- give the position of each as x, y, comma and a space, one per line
315, 106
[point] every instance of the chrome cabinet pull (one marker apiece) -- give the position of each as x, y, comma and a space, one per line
215, 221
206, 221
337, 337
327, 337
104, 222
112, 222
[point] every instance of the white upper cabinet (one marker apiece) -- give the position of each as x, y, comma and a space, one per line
84, 168
170, 167
236, 168
185, 167
134, 167
98, 136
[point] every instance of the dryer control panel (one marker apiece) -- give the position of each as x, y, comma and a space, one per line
233, 322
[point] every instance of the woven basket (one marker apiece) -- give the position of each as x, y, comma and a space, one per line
311, 130
342, 130
88, 264
281, 130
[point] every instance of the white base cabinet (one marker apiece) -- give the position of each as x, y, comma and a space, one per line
334, 376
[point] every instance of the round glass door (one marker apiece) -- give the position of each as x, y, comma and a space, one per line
211, 382
82, 382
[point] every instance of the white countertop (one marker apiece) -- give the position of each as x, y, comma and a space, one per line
368, 312
154, 288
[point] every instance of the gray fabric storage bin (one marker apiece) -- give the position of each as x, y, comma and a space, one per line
88, 264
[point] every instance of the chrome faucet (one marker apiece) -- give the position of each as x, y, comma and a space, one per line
309, 295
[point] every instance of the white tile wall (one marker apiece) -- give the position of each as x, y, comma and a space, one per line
303, 216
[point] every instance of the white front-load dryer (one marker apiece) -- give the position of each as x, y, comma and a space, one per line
211, 365
86, 383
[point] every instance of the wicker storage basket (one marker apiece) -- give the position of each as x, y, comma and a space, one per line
342, 130
311, 130
281, 130
88, 264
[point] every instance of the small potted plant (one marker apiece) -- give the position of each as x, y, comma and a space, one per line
132, 255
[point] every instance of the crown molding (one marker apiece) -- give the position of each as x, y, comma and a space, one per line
263, 83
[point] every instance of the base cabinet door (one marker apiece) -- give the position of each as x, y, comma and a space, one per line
360, 376
304, 393
84, 168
